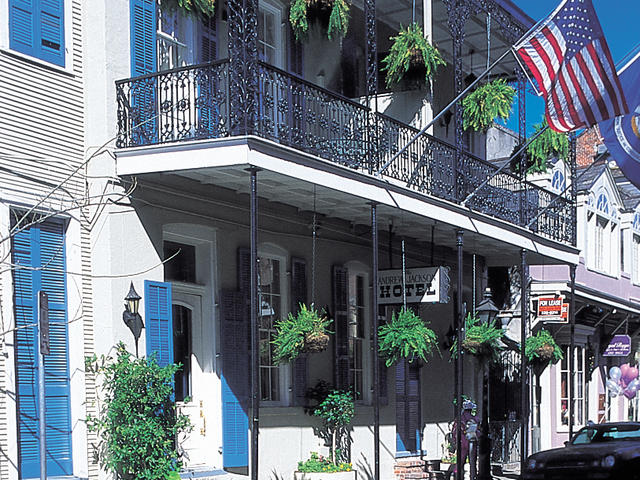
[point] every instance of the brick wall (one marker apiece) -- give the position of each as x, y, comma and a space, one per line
587, 146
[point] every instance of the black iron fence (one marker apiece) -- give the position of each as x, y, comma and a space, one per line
192, 103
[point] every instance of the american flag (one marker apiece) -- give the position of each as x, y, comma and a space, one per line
571, 63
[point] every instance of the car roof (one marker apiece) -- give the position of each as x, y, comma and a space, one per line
614, 424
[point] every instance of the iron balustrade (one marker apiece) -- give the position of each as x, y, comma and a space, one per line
191, 103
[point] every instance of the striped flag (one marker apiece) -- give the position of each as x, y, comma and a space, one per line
571, 63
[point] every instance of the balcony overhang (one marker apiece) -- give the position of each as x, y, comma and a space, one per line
288, 176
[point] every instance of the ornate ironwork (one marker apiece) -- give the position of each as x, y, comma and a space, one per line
371, 25
505, 441
243, 73
185, 103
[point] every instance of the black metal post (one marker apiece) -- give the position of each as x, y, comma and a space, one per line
572, 347
459, 379
255, 353
524, 377
371, 51
484, 442
376, 363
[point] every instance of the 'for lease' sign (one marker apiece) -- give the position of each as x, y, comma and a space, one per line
553, 309
423, 285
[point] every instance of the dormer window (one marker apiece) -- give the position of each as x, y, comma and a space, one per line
603, 204
558, 182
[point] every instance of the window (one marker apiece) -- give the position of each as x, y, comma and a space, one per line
36, 28
603, 236
558, 181
182, 350
357, 322
578, 390
600, 249
269, 34
182, 266
270, 280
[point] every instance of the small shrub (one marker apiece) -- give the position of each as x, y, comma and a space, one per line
488, 102
337, 411
138, 423
411, 48
408, 337
306, 331
318, 463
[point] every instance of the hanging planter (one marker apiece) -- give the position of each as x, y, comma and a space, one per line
202, 7
488, 102
406, 337
411, 56
541, 349
333, 15
550, 144
304, 332
481, 340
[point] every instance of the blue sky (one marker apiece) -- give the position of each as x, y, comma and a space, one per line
620, 20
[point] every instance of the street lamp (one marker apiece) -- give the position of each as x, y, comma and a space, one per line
486, 312
130, 316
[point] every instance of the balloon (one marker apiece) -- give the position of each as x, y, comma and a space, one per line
615, 374
613, 394
631, 375
629, 394
634, 385
613, 387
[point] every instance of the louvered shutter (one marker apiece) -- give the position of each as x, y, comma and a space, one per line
300, 365
407, 407
208, 110
158, 321
341, 326
51, 31
35, 247
234, 328
22, 17
143, 37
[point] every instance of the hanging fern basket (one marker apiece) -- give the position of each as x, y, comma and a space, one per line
411, 59
486, 104
331, 15
315, 342
407, 337
307, 331
541, 349
482, 340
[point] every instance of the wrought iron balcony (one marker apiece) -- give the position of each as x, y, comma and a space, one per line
192, 103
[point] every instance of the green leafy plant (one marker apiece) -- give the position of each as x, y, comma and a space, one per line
481, 339
337, 411
486, 103
203, 7
306, 331
408, 337
318, 463
549, 144
542, 348
410, 49
138, 422
300, 12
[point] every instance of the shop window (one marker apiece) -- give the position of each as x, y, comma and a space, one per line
578, 389
182, 267
182, 350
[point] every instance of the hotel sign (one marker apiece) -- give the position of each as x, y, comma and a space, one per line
553, 309
423, 285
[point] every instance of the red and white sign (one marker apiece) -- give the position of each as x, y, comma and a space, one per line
553, 309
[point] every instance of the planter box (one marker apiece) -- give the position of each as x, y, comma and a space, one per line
352, 475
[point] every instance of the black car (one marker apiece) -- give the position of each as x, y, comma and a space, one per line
606, 451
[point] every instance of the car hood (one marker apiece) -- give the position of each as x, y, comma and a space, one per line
590, 451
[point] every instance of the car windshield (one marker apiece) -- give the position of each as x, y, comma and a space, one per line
606, 433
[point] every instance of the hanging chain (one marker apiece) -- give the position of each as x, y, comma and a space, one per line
404, 279
474, 284
413, 12
313, 250
488, 44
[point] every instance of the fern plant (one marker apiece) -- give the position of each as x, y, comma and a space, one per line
408, 337
542, 348
488, 102
306, 331
300, 12
549, 144
481, 339
410, 48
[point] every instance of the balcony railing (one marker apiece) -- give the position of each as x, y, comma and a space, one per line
192, 103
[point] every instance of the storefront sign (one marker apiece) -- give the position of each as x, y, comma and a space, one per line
553, 309
423, 285
619, 346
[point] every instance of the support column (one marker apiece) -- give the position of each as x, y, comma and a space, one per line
522, 136
376, 363
371, 51
572, 348
243, 66
524, 378
459, 373
255, 353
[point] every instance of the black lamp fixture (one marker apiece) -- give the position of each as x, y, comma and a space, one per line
130, 316
486, 309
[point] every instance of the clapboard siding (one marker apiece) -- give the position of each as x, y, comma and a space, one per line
41, 144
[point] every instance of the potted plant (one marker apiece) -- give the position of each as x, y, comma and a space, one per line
203, 7
332, 14
406, 337
411, 55
336, 410
304, 332
541, 349
487, 103
548, 145
481, 339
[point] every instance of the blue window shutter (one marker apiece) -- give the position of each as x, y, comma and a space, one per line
143, 37
158, 321
42, 245
22, 18
51, 31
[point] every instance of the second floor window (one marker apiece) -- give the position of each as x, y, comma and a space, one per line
603, 236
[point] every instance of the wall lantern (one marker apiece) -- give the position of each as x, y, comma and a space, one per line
130, 316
